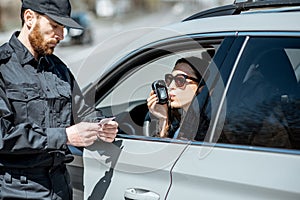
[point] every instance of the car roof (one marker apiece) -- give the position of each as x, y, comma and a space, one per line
232, 24
245, 15
275, 21
282, 21
242, 6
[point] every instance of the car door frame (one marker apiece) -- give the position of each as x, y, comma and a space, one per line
92, 155
219, 170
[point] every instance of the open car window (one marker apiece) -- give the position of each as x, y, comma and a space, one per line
127, 101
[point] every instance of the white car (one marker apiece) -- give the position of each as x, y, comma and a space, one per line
245, 144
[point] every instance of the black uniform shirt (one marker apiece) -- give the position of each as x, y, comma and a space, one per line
35, 106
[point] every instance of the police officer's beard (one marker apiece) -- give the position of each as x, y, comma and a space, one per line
39, 45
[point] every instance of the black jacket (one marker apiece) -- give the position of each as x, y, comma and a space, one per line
36, 105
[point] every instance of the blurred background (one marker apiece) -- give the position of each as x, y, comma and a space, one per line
114, 10
106, 22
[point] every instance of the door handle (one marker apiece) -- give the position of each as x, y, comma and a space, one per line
140, 194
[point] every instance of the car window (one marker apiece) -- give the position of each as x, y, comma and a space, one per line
262, 104
134, 86
128, 98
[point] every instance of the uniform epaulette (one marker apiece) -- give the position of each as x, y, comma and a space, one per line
5, 53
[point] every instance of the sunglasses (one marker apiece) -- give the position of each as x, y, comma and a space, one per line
180, 79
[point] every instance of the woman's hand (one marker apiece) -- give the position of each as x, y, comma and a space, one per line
160, 111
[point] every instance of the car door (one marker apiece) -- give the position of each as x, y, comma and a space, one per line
252, 149
138, 165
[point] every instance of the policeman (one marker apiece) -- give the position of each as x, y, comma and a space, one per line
41, 107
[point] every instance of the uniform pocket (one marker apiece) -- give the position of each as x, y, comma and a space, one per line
27, 103
63, 88
23, 94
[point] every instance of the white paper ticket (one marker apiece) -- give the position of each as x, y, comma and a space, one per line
106, 120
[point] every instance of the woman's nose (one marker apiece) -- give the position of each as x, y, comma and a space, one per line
172, 84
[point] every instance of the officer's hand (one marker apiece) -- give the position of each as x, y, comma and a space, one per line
108, 131
83, 134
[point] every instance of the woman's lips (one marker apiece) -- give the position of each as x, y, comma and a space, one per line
171, 96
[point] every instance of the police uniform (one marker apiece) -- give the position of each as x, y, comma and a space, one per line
35, 107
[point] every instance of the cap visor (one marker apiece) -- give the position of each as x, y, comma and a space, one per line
66, 21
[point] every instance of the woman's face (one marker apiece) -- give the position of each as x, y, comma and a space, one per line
181, 97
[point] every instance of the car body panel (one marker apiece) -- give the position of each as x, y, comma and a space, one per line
226, 173
138, 166
147, 163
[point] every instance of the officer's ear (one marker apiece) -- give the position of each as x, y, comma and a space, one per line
29, 18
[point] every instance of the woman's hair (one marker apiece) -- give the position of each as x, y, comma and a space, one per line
198, 65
